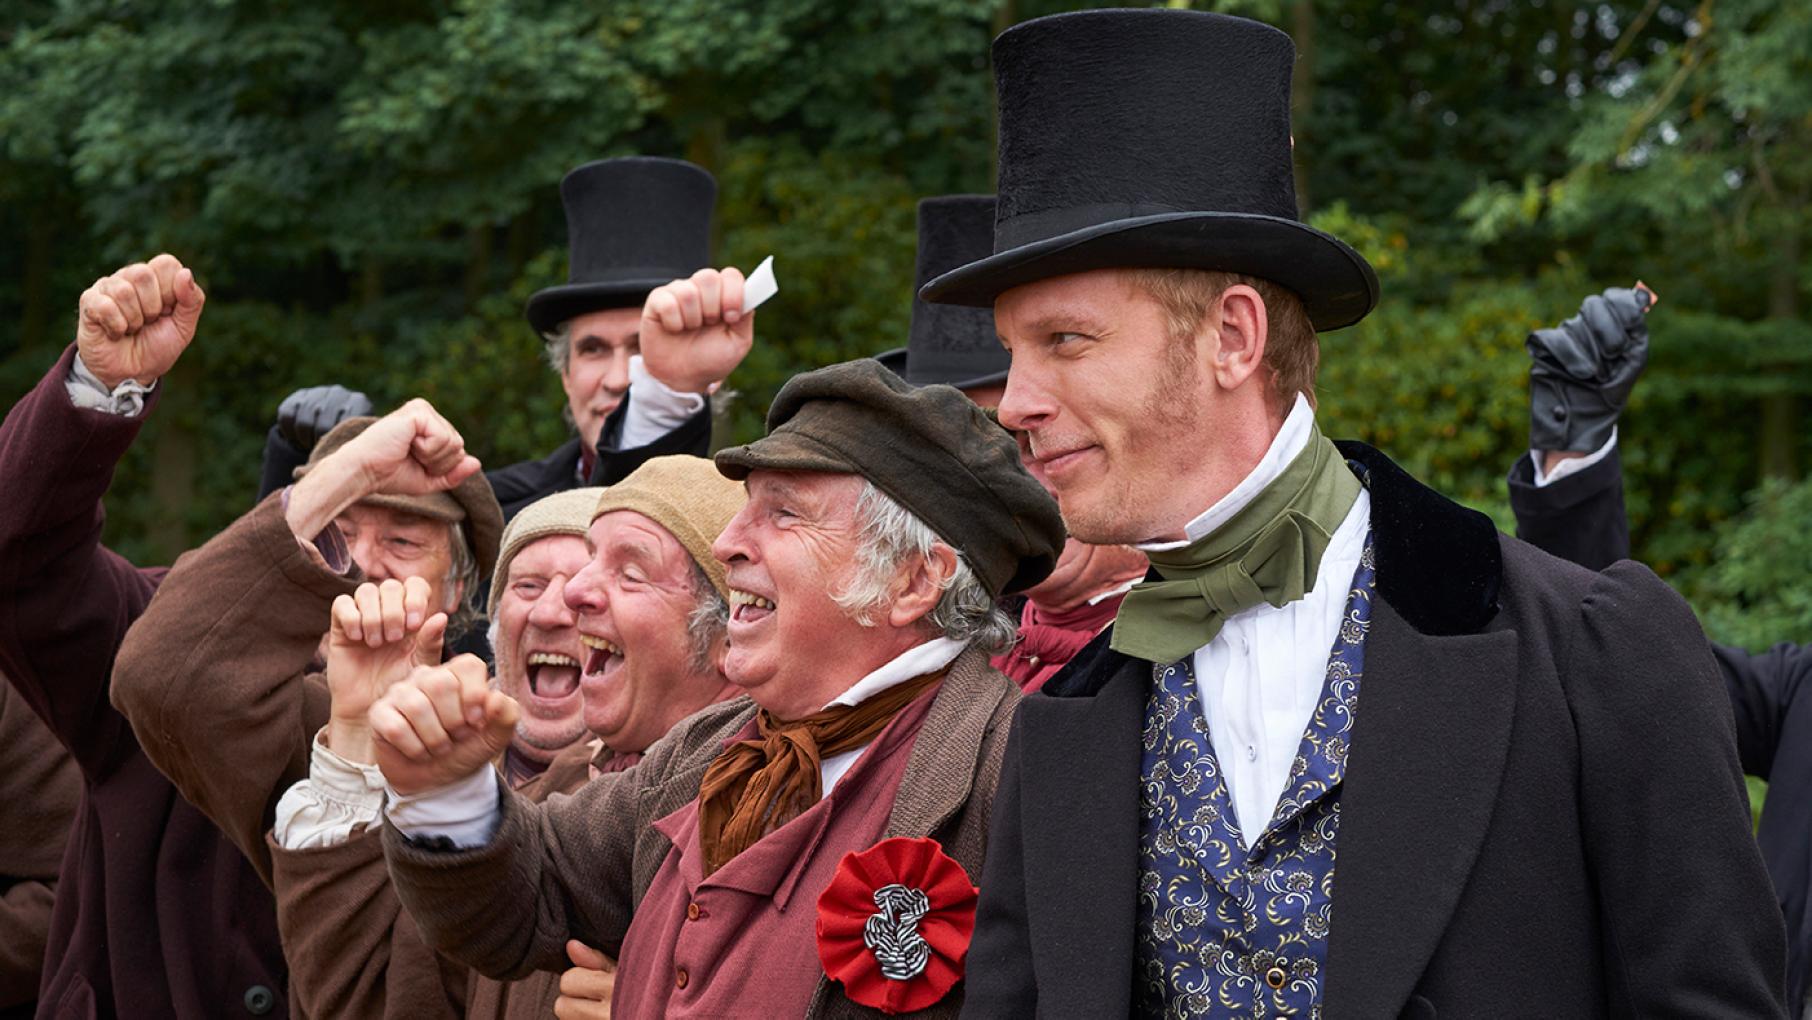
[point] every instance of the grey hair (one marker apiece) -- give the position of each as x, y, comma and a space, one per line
709, 622
887, 535
462, 576
559, 349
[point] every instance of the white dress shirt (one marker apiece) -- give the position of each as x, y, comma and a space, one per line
467, 811
654, 409
1261, 677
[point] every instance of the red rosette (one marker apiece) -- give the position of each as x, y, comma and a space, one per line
894, 924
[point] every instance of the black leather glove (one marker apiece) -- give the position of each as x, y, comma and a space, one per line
1584, 370
308, 414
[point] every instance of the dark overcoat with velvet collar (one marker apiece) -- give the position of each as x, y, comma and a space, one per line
1543, 813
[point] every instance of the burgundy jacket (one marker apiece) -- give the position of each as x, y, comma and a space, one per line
157, 914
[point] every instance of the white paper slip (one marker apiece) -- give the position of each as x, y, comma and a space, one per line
760, 285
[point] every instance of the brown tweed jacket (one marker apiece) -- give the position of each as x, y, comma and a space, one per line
577, 867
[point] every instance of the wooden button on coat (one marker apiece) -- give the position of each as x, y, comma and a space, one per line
1273, 977
692, 912
679, 977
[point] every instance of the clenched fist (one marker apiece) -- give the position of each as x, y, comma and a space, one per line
136, 323
412, 451
585, 990
379, 633
440, 725
694, 332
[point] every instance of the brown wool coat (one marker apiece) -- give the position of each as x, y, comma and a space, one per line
39, 789
354, 952
578, 867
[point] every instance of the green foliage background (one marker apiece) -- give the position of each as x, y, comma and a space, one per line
368, 192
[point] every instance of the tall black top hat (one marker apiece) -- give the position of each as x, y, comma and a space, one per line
951, 344
1153, 138
632, 224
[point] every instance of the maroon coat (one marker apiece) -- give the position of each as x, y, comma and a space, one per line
157, 915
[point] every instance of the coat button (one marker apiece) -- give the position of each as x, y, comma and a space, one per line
1275, 977
692, 912
679, 977
259, 1000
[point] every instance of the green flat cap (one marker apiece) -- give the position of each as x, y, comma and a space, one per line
931, 449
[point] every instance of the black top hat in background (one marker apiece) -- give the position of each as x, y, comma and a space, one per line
633, 223
951, 344
1153, 138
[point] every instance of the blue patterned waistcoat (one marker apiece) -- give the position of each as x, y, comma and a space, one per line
1224, 931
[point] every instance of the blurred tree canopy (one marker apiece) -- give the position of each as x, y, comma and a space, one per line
369, 193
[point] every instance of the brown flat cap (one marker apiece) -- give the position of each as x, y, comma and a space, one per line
931, 449
471, 502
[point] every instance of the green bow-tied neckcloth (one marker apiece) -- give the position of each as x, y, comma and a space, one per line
1268, 553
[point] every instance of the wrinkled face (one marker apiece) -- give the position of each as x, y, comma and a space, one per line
388, 544
789, 551
537, 645
597, 369
635, 599
1117, 417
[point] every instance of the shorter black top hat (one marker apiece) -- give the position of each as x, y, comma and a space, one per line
951, 344
1153, 138
632, 224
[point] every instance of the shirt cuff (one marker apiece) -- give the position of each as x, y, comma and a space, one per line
1572, 465
654, 409
466, 812
85, 389
336, 556
338, 800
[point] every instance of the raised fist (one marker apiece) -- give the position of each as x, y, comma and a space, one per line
694, 332
308, 414
440, 724
411, 451
136, 323
1582, 371
379, 633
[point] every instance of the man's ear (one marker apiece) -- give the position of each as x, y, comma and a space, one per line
920, 587
1240, 349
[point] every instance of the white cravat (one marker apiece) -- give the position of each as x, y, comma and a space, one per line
1261, 677
467, 811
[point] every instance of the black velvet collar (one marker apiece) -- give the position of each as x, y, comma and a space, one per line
1439, 566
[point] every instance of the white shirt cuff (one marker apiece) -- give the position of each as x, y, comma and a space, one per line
654, 410
466, 812
85, 389
1572, 465
337, 799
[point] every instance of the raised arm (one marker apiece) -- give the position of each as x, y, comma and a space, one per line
65, 600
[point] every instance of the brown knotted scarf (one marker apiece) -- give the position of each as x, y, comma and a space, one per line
757, 785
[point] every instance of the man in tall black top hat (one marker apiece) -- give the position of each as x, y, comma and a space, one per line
955, 345
1350, 752
633, 392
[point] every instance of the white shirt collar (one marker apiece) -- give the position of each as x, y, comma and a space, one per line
1290, 440
914, 662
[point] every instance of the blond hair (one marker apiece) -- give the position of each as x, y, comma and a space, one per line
1292, 352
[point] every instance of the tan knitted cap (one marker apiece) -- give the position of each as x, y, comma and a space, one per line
563, 513
687, 496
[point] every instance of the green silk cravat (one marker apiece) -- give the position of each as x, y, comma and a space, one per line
1268, 553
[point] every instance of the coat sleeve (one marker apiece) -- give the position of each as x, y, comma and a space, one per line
1690, 922
614, 464
65, 600
215, 674
280, 463
558, 870
564, 868
1763, 687
352, 951
1578, 518
997, 979
40, 789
